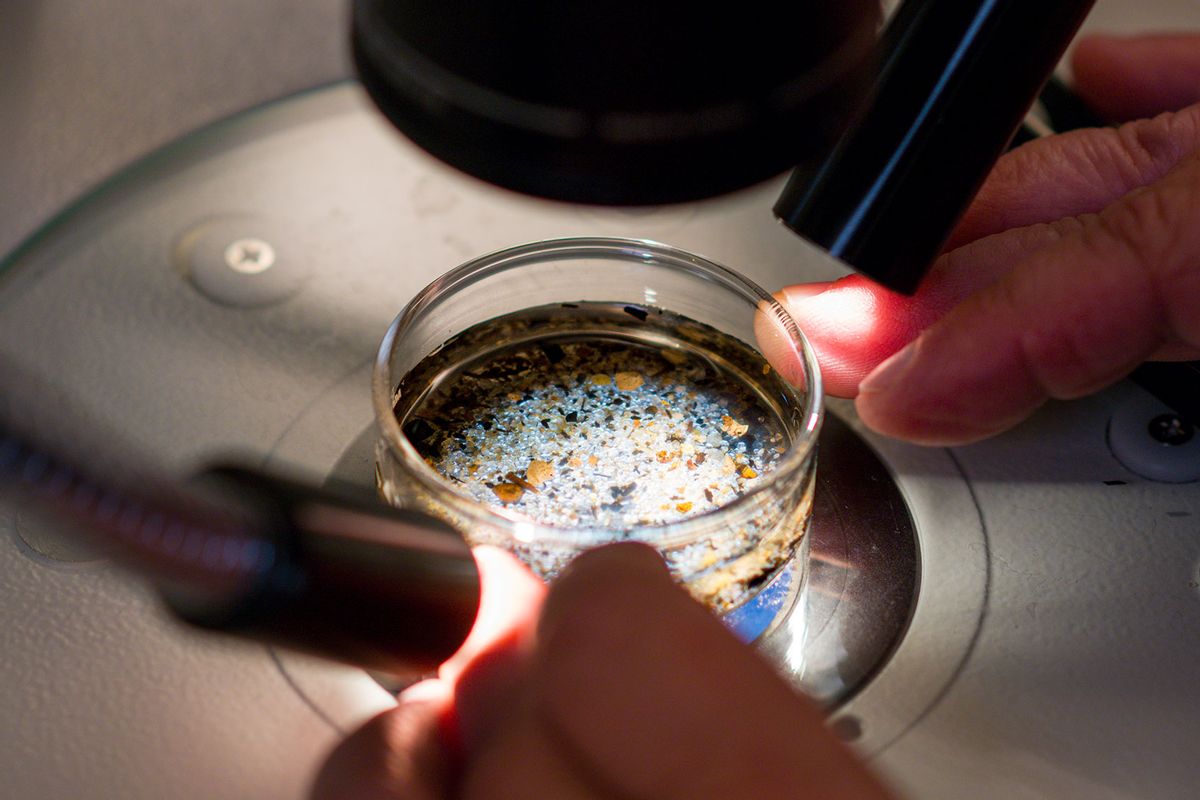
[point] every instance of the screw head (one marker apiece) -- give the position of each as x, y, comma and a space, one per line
250, 256
1171, 430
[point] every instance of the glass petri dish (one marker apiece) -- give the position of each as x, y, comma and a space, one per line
691, 334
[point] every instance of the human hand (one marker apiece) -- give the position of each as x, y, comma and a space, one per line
1078, 260
617, 686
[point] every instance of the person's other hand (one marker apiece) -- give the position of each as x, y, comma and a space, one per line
622, 687
1078, 260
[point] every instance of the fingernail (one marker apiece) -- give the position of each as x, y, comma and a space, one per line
890, 372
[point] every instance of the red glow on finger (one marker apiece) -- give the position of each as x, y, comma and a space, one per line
853, 325
510, 600
486, 670
772, 331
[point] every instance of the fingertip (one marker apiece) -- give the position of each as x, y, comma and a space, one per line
636, 557
1093, 45
1094, 52
510, 598
852, 324
773, 331
491, 663
1095, 65
598, 573
1142, 75
802, 302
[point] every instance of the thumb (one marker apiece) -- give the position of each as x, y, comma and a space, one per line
655, 697
1071, 318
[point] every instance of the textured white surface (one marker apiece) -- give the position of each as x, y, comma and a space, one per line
86, 88
104, 698
1082, 682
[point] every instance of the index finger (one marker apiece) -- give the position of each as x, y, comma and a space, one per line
1127, 77
1034, 198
